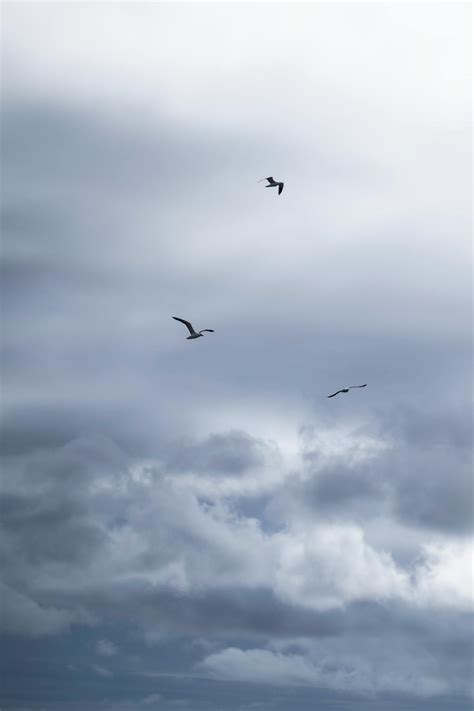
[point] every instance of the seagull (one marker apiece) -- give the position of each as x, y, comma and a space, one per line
189, 326
273, 184
346, 390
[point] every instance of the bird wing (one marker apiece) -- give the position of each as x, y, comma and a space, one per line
186, 323
357, 386
280, 188
209, 330
337, 393
271, 181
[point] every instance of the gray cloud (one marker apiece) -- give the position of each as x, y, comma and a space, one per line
230, 453
89, 536
420, 474
24, 616
194, 525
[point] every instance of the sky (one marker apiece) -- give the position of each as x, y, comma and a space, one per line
194, 525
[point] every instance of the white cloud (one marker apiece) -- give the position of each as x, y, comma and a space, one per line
331, 44
259, 665
178, 532
444, 578
325, 566
344, 672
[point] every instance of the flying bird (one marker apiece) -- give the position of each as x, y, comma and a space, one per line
346, 390
273, 184
189, 326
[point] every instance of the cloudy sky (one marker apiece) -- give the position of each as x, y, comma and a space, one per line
193, 525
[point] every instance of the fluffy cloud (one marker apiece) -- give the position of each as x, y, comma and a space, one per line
325, 566
185, 559
445, 577
128, 524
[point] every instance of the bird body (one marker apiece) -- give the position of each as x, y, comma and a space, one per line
273, 184
189, 326
346, 390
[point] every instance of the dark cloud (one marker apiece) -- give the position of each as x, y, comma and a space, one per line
54, 532
107, 155
231, 453
421, 473
67, 512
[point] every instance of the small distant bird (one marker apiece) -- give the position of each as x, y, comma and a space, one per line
189, 326
346, 390
273, 184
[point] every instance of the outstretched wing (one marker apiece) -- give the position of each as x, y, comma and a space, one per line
337, 393
209, 330
186, 323
351, 387
280, 188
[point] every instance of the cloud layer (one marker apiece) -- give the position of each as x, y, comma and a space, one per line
194, 524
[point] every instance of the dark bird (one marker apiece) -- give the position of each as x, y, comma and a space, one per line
189, 326
346, 390
273, 184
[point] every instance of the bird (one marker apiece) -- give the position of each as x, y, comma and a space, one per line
273, 184
189, 326
346, 390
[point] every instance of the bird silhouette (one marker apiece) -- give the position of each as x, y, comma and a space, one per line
346, 390
273, 184
189, 326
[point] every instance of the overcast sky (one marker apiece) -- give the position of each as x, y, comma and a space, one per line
193, 524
